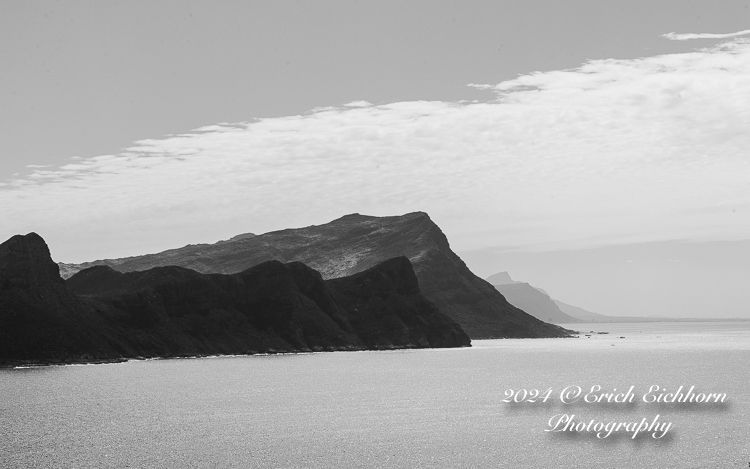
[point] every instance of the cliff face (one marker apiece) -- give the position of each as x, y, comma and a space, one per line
354, 243
100, 313
385, 302
25, 264
38, 316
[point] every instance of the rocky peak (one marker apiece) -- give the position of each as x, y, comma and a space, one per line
25, 262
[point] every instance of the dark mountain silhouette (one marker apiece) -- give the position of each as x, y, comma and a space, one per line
352, 244
102, 314
39, 317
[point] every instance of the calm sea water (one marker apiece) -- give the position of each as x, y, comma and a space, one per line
416, 409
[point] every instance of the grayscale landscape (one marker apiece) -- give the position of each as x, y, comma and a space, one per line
390, 234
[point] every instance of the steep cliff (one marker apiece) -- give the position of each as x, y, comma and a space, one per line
354, 243
38, 316
384, 303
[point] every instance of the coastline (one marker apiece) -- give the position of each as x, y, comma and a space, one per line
30, 363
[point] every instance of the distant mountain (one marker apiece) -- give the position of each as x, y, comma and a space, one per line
582, 314
588, 316
538, 303
501, 278
102, 314
534, 302
352, 244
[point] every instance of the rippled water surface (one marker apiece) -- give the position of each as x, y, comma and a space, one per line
417, 408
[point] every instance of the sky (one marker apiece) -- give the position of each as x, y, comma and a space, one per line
597, 149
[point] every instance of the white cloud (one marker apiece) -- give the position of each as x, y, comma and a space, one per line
615, 151
358, 104
687, 36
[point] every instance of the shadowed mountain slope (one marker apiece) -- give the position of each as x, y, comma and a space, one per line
39, 317
354, 243
103, 314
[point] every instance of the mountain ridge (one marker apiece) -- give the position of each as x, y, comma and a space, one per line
353, 243
100, 314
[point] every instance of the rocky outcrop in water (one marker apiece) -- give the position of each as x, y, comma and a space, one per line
103, 314
354, 243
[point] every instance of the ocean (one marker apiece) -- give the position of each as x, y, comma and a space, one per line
425, 408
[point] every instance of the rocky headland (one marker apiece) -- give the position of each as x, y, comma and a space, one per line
100, 314
355, 243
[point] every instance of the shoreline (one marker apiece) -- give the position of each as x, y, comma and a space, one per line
42, 363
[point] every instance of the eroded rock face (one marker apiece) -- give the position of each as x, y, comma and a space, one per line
354, 243
101, 313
